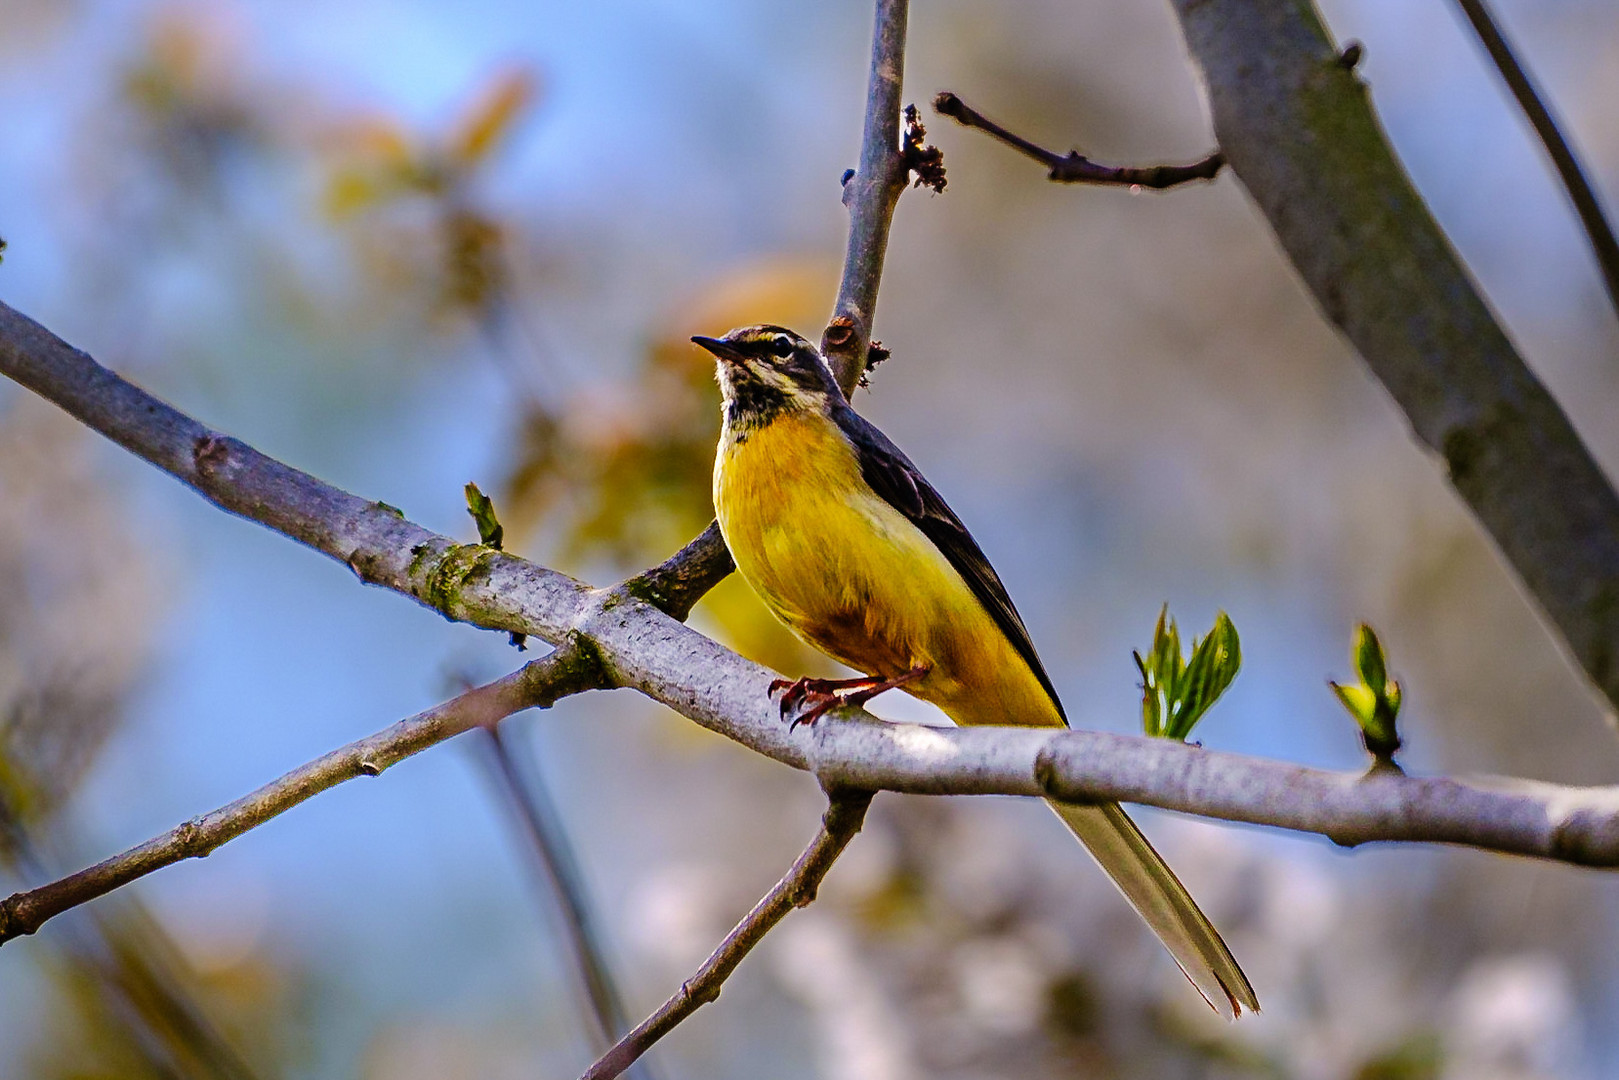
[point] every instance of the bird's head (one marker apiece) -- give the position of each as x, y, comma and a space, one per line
767, 370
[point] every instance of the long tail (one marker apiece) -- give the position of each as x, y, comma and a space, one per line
1158, 896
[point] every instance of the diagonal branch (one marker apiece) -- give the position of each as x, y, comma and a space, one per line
1299, 131
538, 684
845, 813
1073, 167
1597, 228
675, 585
640, 647
467, 582
554, 856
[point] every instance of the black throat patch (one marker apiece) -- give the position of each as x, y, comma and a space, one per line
752, 404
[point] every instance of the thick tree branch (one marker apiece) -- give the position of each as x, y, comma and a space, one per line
845, 813
639, 646
1073, 167
1567, 164
372, 538
871, 195
568, 670
1298, 130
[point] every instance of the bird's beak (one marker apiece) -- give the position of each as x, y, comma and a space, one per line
722, 349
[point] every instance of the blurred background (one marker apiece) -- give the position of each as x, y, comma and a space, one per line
408, 245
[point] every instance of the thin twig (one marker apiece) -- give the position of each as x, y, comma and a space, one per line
567, 670
554, 856
845, 813
871, 195
1073, 167
1597, 227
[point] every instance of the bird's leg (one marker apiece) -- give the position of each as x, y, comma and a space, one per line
822, 695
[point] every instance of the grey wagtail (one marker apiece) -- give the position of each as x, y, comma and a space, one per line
847, 543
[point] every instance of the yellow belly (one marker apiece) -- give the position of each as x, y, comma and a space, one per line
853, 577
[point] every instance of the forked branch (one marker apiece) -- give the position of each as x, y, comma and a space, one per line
871, 194
640, 647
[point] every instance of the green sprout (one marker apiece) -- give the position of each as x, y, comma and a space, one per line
1175, 693
482, 509
1375, 701
492, 534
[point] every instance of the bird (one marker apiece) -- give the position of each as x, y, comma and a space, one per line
848, 544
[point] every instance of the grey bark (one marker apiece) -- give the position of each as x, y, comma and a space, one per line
1297, 128
637, 645
871, 194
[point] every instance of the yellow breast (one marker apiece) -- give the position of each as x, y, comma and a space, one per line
853, 577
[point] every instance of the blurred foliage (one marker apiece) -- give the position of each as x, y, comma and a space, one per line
132, 1004
74, 581
80, 597
1145, 367
1421, 1057
967, 949
196, 107
386, 173
386, 163
205, 152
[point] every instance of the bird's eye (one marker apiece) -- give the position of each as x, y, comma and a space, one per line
782, 346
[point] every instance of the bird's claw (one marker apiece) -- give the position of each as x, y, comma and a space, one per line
824, 703
821, 696
796, 691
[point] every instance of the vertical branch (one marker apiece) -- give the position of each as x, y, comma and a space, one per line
1534, 106
870, 194
555, 858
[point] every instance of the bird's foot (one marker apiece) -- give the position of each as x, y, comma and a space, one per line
820, 696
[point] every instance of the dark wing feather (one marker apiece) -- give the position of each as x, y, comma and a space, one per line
892, 476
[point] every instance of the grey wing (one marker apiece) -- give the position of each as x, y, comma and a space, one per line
892, 476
